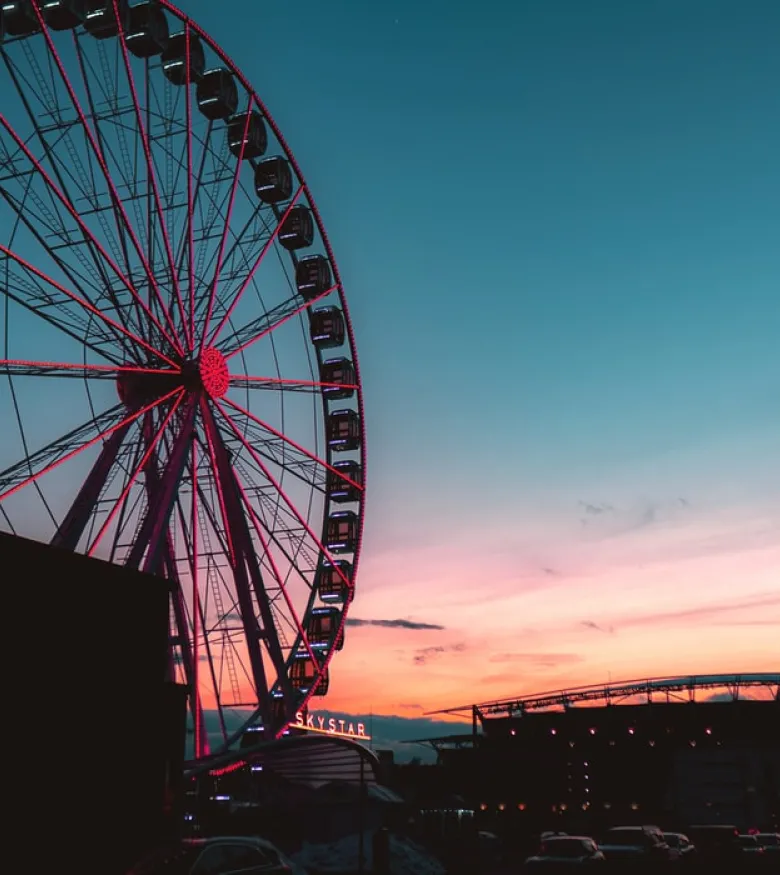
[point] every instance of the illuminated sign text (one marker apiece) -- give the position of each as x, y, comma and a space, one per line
331, 726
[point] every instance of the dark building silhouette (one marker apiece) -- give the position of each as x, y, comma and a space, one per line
95, 736
620, 756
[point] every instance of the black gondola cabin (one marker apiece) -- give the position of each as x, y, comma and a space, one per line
342, 532
323, 626
345, 482
217, 94
303, 673
100, 21
273, 180
19, 19
331, 584
297, 231
247, 130
174, 59
344, 431
339, 375
327, 327
147, 33
64, 14
313, 277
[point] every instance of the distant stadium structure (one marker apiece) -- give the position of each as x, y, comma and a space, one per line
678, 750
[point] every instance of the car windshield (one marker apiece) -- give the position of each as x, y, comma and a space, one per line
748, 841
564, 848
768, 840
671, 839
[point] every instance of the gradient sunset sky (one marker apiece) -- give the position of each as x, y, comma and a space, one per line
558, 224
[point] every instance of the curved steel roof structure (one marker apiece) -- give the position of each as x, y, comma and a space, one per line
625, 692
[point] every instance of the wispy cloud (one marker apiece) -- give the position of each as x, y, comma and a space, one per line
396, 624
591, 509
589, 624
426, 654
549, 660
707, 612
608, 520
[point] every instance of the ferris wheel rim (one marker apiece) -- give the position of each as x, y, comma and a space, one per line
191, 26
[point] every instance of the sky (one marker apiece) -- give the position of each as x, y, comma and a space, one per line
557, 224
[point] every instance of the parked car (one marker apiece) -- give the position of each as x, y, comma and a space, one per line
562, 852
217, 856
680, 846
770, 842
716, 843
751, 847
643, 846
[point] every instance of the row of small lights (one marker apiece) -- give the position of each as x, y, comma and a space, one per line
563, 806
593, 730
631, 731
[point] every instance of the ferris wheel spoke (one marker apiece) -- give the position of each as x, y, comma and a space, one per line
241, 254
233, 493
71, 529
105, 147
147, 548
190, 205
278, 486
154, 488
62, 198
277, 384
39, 211
258, 527
187, 242
253, 270
259, 328
198, 619
288, 440
43, 301
225, 231
85, 304
278, 454
150, 448
228, 507
151, 176
68, 446
31, 297
24, 368
117, 200
277, 532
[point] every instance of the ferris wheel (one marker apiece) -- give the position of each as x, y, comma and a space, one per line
179, 387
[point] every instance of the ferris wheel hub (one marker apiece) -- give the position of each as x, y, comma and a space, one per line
208, 373
213, 372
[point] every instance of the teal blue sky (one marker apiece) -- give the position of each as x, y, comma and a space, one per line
558, 224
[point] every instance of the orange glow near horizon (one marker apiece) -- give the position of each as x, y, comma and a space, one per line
688, 598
